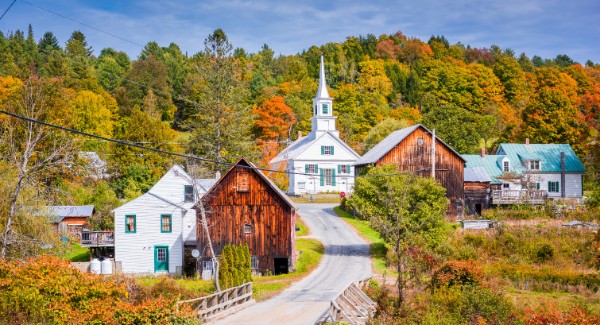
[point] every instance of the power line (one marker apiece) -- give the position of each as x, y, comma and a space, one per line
192, 157
7, 9
79, 22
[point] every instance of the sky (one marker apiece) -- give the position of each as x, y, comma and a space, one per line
545, 28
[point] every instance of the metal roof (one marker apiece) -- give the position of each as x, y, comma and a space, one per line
392, 140
491, 164
548, 154
301, 144
71, 210
476, 174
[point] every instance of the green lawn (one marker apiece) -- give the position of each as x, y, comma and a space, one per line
76, 253
303, 230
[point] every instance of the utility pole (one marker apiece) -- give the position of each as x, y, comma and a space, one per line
433, 154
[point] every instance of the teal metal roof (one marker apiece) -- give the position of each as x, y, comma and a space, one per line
547, 154
491, 164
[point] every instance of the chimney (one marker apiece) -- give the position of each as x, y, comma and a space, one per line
218, 175
299, 134
482, 152
527, 141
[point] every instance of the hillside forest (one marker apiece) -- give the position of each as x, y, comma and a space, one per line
224, 102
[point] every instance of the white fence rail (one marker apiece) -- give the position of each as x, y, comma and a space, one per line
219, 303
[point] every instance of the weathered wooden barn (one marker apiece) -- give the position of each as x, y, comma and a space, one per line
411, 150
245, 207
478, 190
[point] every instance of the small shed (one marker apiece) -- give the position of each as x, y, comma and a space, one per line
245, 207
70, 219
478, 190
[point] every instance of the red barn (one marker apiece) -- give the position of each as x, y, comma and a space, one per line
245, 207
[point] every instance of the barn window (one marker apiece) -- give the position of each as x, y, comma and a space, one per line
188, 195
247, 229
420, 147
130, 226
254, 262
243, 181
166, 223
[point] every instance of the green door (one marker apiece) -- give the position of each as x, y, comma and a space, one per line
161, 258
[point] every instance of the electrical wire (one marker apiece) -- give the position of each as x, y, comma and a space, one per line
7, 9
171, 153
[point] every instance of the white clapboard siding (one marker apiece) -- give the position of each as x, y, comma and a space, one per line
573, 185
135, 251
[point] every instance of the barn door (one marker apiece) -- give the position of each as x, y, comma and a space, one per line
161, 258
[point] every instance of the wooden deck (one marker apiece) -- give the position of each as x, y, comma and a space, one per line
97, 239
535, 197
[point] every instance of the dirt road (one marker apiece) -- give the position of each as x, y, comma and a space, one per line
346, 260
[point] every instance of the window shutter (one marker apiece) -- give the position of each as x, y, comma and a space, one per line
321, 177
549, 186
306, 169
322, 150
537, 186
349, 169
316, 168
333, 177
339, 169
332, 150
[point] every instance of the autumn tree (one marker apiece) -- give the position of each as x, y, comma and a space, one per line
31, 155
381, 131
406, 209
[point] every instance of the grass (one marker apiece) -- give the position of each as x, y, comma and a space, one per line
376, 243
76, 253
265, 287
562, 300
302, 229
196, 287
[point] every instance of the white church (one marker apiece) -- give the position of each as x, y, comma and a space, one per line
321, 161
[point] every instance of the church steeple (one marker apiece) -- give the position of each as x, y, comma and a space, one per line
323, 120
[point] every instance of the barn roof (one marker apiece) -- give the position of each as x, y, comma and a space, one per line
241, 162
491, 163
71, 210
391, 141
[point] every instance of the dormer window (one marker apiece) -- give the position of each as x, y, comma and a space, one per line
325, 109
243, 181
506, 166
534, 165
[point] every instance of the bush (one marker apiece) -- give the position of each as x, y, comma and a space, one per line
545, 253
234, 266
457, 273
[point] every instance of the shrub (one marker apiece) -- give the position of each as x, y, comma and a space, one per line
545, 253
234, 266
457, 273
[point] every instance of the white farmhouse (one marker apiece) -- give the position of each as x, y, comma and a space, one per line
320, 161
153, 230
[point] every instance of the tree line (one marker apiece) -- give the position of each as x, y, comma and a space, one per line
224, 102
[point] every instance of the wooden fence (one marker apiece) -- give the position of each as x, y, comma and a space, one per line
214, 305
352, 306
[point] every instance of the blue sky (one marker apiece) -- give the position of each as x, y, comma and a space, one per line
537, 27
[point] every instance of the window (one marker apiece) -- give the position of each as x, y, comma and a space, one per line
208, 265
344, 169
315, 110
506, 166
325, 109
243, 181
553, 187
327, 150
254, 262
301, 185
506, 186
311, 169
247, 229
328, 176
534, 165
188, 195
166, 223
130, 226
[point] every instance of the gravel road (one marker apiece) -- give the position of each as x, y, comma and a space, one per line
346, 260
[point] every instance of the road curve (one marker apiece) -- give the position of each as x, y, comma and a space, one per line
346, 260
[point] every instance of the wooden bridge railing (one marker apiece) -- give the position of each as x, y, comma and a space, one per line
352, 306
220, 302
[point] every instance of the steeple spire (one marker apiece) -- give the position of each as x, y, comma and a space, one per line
322, 91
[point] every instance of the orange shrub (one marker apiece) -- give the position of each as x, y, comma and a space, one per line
457, 273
